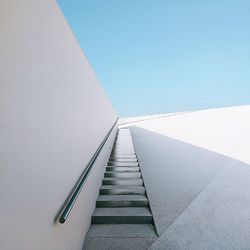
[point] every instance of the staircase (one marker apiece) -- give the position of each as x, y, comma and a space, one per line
122, 209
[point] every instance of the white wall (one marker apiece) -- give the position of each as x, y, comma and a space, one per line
53, 116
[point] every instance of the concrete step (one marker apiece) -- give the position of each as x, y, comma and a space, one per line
131, 151
120, 146
122, 231
122, 174
122, 152
122, 169
119, 236
123, 178
129, 147
122, 201
123, 141
132, 158
115, 243
123, 164
121, 155
119, 189
125, 149
123, 160
122, 215
122, 181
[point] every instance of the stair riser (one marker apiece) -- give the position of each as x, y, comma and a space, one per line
123, 164
122, 219
138, 182
122, 204
129, 191
121, 175
121, 169
122, 154
125, 148
123, 161
126, 151
132, 157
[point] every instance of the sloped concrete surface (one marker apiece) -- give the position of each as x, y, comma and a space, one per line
196, 170
218, 219
174, 173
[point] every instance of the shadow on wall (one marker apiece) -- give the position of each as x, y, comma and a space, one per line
197, 194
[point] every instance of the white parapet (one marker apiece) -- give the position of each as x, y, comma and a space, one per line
53, 116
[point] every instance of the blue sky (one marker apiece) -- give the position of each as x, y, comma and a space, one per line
159, 56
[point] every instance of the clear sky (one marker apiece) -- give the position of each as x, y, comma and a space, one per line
159, 56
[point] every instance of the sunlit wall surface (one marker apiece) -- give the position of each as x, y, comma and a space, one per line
53, 117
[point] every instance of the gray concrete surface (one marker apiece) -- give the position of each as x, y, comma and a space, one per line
199, 199
218, 219
122, 236
118, 243
174, 173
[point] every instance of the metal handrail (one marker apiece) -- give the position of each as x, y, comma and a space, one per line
78, 187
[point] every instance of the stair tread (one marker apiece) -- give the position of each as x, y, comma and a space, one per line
123, 147
122, 211
122, 198
122, 243
123, 164
123, 175
121, 230
120, 172
115, 166
123, 157
122, 178
119, 187
123, 190
120, 154
125, 182
122, 169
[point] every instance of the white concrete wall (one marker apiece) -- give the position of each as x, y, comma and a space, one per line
53, 116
